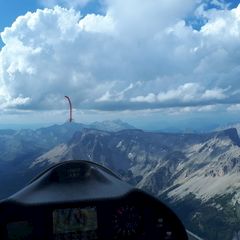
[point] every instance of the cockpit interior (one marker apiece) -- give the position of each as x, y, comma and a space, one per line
82, 200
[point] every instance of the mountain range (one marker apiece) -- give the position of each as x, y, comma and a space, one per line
198, 175
18, 148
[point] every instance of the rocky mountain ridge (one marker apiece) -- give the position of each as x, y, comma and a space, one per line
198, 175
197, 170
18, 148
189, 158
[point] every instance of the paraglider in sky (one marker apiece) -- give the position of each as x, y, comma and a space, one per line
70, 108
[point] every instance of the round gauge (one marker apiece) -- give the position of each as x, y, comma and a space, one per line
126, 222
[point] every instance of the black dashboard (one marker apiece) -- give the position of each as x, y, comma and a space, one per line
81, 200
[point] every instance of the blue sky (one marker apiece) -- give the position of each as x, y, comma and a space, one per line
10, 10
164, 64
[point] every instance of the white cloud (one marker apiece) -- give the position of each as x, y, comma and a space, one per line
12, 103
189, 92
222, 22
137, 56
214, 94
97, 24
115, 96
186, 92
150, 98
234, 108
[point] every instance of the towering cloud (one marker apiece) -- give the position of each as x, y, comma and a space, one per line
135, 56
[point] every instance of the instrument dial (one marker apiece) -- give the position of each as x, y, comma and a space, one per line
127, 222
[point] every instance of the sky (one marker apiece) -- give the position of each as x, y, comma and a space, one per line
169, 64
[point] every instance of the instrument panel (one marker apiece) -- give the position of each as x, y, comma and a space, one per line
91, 205
135, 216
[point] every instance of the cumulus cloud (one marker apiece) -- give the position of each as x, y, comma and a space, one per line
97, 24
189, 92
234, 108
136, 56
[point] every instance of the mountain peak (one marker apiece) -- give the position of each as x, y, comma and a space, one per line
111, 125
230, 133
